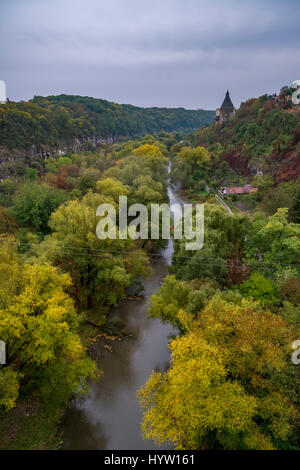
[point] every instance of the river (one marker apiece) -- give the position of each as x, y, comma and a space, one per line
110, 417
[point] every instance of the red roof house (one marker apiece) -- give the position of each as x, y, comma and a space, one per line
239, 190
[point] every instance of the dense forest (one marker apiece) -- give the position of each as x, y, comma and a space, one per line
58, 278
56, 120
235, 303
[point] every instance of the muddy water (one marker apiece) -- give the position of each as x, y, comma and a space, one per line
110, 417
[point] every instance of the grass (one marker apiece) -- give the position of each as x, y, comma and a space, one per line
33, 423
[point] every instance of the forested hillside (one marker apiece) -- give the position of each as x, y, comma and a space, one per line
263, 137
32, 131
54, 120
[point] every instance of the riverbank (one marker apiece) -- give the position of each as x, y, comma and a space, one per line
34, 424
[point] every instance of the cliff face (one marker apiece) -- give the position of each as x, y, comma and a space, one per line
32, 131
48, 121
14, 161
286, 161
240, 165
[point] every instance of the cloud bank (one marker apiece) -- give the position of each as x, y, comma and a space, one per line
158, 53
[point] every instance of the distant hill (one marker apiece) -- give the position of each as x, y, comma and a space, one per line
47, 122
263, 137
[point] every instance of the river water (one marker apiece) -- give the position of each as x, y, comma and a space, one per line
110, 417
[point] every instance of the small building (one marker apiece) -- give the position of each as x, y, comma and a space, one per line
247, 189
273, 97
227, 110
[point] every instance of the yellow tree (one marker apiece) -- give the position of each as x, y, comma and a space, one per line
153, 159
101, 269
39, 326
197, 157
228, 381
193, 399
112, 187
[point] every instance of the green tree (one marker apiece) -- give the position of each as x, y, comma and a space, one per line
31, 174
99, 268
175, 295
224, 236
259, 288
294, 213
34, 203
276, 239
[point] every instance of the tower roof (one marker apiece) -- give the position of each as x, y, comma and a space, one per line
227, 103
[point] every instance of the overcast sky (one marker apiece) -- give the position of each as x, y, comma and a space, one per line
149, 52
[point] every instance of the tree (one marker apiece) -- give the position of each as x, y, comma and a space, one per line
172, 296
275, 238
99, 268
259, 288
111, 187
147, 191
148, 149
294, 213
290, 290
88, 180
152, 159
39, 325
224, 235
175, 295
279, 196
191, 166
8, 222
7, 189
31, 174
34, 203
197, 157
227, 384
9, 387
192, 399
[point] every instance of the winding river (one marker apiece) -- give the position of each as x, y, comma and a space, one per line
110, 417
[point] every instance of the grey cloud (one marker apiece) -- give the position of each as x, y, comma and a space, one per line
163, 52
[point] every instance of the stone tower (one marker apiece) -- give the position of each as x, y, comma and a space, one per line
227, 110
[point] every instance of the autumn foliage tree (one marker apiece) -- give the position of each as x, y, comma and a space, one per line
226, 387
39, 325
99, 268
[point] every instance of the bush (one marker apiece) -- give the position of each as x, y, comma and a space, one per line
259, 288
290, 291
